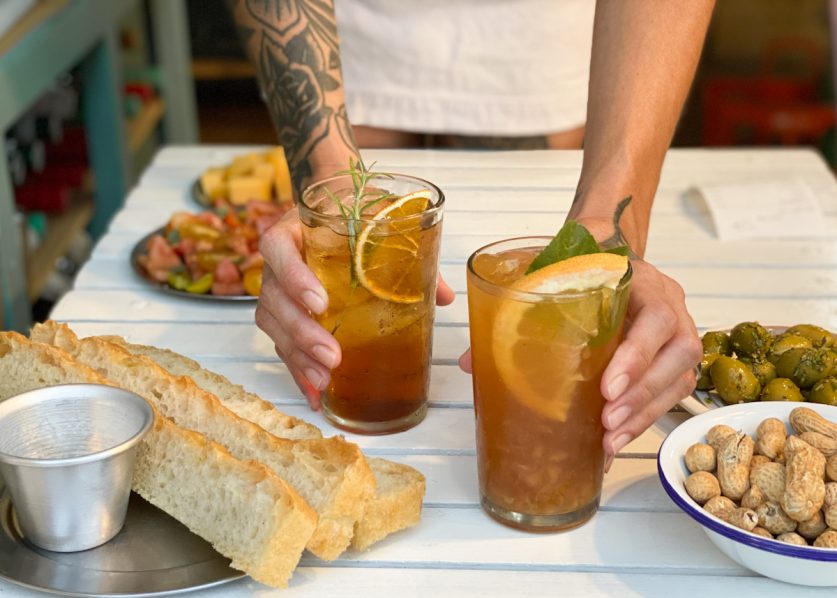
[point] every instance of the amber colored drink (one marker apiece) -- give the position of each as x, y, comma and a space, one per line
380, 276
537, 364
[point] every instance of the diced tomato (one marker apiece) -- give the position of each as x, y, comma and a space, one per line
160, 259
227, 272
227, 288
185, 247
161, 254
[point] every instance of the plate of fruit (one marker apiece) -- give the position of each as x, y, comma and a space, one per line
260, 176
208, 255
751, 362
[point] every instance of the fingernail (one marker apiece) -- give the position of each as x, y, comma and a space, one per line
316, 379
620, 443
325, 356
618, 416
312, 395
314, 302
617, 386
608, 463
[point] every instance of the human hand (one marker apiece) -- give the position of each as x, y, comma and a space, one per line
290, 293
654, 366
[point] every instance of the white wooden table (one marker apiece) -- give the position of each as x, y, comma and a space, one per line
639, 543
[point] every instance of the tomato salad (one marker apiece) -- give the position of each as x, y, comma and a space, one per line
214, 252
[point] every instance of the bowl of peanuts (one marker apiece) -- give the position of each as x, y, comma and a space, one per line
761, 479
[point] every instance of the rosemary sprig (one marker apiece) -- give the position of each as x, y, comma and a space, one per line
359, 203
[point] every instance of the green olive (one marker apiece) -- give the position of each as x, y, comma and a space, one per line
824, 391
704, 381
763, 369
781, 389
785, 342
734, 381
750, 338
814, 365
787, 362
716, 342
819, 337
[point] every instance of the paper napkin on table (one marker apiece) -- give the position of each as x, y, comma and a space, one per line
779, 207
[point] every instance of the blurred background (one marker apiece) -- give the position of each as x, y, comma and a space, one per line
766, 78
98, 86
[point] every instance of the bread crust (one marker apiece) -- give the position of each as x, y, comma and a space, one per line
233, 396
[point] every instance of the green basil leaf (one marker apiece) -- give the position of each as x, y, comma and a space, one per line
572, 240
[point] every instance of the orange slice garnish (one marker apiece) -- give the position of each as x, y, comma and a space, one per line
539, 347
387, 260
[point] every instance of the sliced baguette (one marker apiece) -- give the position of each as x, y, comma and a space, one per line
234, 397
331, 474
396, 505
399, 489
244, 510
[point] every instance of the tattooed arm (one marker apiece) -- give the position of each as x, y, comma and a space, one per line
644, 57
296, 50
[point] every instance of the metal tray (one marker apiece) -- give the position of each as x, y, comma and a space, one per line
153, 554
140, 249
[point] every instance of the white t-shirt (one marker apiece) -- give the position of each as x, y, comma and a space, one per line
472, 67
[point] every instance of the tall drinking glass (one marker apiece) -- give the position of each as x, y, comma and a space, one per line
378, 261
538, 359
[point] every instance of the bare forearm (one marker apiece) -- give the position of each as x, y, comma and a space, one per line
296, 51
644, 58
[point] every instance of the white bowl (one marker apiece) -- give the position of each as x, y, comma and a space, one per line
804, 565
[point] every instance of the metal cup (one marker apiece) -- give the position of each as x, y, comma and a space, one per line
67, 455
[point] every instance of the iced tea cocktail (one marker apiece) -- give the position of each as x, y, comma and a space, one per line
375, 248
539, 348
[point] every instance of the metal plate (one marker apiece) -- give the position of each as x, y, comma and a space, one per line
200, 197
140, 249
153, 554
701, 401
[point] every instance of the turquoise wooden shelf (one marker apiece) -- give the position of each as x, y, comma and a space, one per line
84, 34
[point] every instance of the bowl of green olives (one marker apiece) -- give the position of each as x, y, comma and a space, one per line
751, 362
